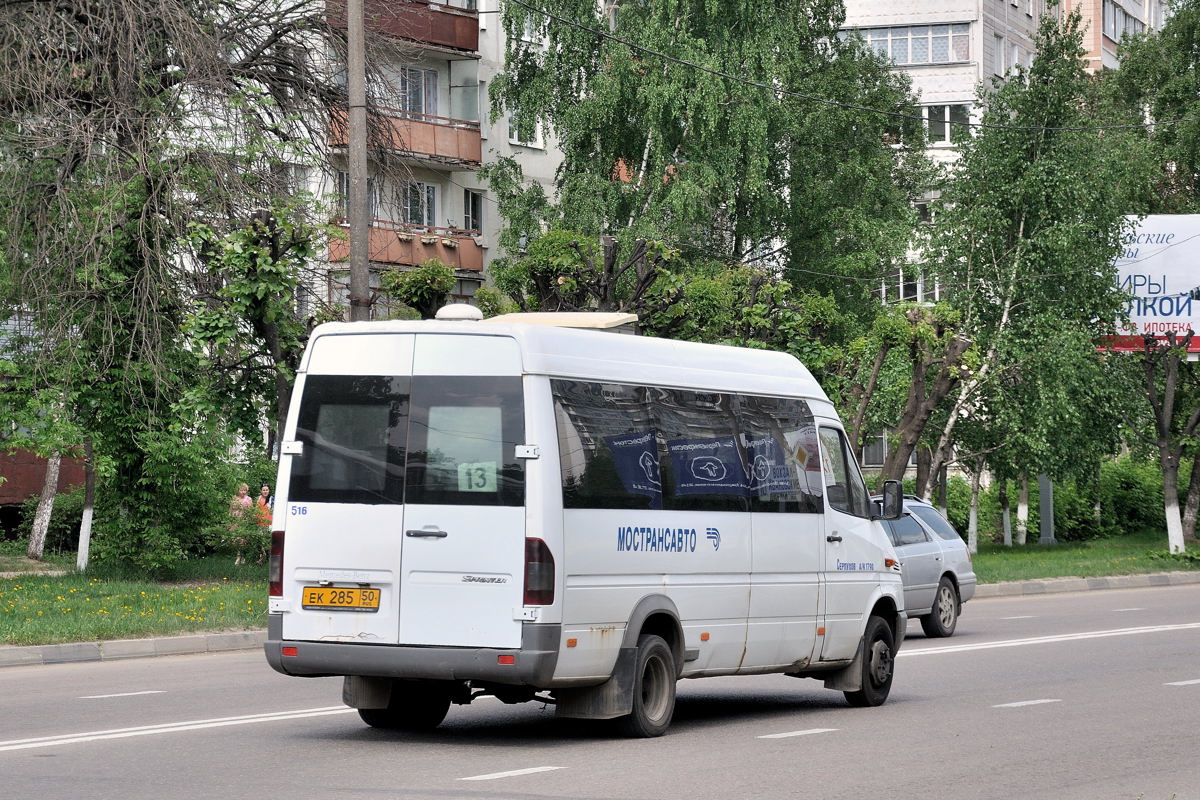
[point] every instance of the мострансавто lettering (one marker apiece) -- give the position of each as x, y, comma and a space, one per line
656, 540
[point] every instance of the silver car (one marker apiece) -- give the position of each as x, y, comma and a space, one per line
938, 577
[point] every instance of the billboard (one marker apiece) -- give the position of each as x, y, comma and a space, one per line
1159, 268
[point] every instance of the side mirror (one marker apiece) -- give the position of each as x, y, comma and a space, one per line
893, 500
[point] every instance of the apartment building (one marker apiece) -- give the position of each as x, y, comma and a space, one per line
1107, 21
437, 60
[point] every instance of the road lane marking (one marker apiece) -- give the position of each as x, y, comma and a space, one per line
512, 773
1023, 616
121, 694
1183, 683
170, 727
1021, 703
797, 733
1122, 610
1067, 637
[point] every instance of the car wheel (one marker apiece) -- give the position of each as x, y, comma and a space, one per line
879, 654
653, 689
414, 706
943, 618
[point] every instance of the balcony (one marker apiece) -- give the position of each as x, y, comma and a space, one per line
391, 243
439, 24
455, 142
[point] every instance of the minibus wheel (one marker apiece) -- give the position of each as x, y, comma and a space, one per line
653, 689
879, 653
414, 706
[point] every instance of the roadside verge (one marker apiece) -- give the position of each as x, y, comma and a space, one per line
218, 642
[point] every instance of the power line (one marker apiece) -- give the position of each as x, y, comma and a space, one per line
821, 100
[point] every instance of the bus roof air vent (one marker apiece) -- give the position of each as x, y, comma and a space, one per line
459, 312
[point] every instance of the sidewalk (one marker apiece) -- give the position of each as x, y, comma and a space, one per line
74, 652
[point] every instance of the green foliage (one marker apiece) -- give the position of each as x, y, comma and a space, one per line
711, 165
248, 332
62, 535
1159, 72
1023, 245
425, 288
1131, 495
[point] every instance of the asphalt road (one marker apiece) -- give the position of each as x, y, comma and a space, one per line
1064, 696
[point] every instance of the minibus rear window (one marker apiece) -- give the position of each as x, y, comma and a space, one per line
353, 431
380, 440
463, 441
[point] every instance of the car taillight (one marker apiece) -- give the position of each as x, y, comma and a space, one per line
275, 565
539, 573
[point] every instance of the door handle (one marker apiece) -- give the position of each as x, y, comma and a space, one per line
833, 537
427, 533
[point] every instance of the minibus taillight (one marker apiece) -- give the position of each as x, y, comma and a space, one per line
275, 565
539, 573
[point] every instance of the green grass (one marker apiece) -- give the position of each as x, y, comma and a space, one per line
1132, 554
215, 595
212, 594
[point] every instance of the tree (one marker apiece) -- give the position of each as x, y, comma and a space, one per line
725, 134
1028, 227
1159, 77
122, 123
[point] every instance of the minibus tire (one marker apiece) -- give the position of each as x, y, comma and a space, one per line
878, 660
414, 706
653, 689
942, 619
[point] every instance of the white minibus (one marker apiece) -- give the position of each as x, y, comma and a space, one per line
577, 517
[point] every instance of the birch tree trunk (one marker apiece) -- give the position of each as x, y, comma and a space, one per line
89, 502
1023, 509
41, 520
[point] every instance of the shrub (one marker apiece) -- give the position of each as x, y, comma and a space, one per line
1131, 496
62, 535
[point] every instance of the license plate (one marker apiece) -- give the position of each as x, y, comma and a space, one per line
340, 599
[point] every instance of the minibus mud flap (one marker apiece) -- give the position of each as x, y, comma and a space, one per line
609, 700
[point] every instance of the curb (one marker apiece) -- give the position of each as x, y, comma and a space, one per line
121, 649
1058, 585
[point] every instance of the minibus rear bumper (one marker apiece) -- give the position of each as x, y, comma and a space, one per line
532, 664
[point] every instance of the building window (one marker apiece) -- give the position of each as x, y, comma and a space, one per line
876, 450
464, 290
343, 190
473, 210
921, 44
418, 91
535, 139
420, 204
908, 284
998, 65
946, 123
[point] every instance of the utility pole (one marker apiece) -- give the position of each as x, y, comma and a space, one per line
356, 86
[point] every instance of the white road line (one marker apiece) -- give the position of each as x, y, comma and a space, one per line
1121, 610
1023, 616
170, 727
510, 774
797, 733
1027, 703
122, 694
1183, 683
1068, 637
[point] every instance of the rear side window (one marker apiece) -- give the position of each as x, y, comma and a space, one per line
353, 431
648, 447
934, 519
905, 530
390, 439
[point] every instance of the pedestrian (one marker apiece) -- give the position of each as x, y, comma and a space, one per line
262, 506
237, 512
